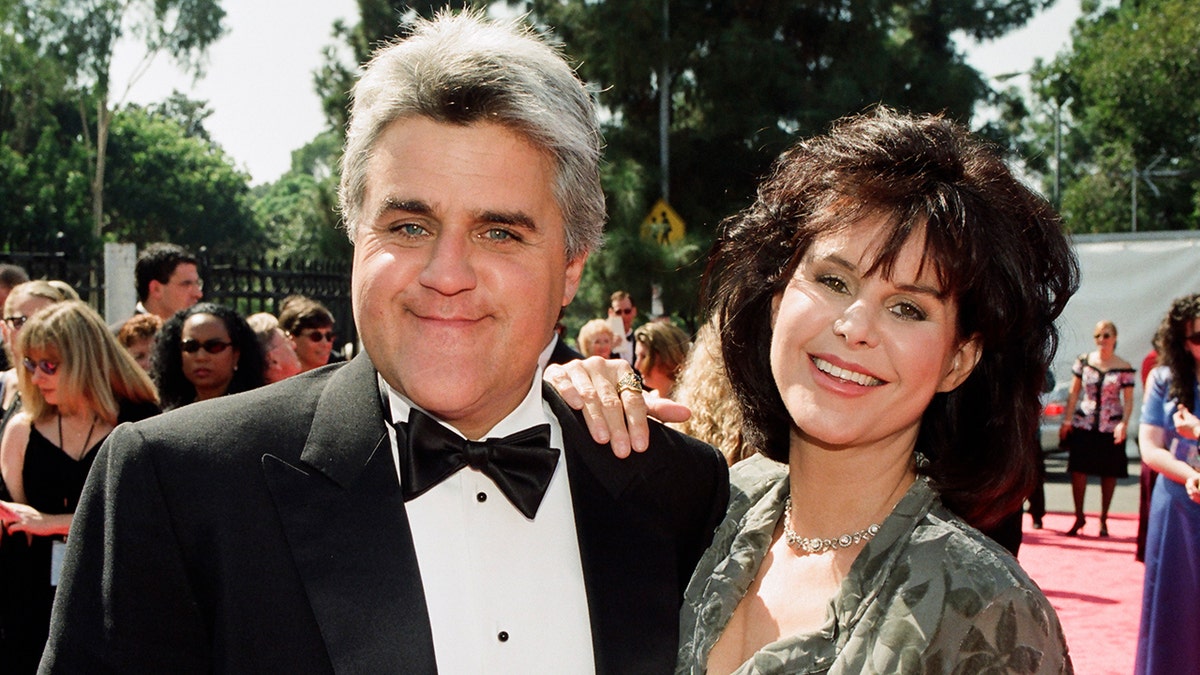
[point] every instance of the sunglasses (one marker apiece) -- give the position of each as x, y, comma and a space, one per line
317, 336
47, 367
626, 311
213, 346
1102, 335
1194, 338
15, 322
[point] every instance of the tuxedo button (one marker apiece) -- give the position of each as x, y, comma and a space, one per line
481, 497
502, 636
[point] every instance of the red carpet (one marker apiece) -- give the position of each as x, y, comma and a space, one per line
1094, 584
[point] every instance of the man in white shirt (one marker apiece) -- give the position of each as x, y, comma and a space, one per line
429, 506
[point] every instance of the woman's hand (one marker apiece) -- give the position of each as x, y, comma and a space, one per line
1186, 424
1119, 432
18, 517
612, 417
1193, 487
1064, 430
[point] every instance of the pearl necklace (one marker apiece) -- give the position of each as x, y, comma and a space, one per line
804, 545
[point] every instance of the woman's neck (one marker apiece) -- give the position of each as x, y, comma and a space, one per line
835, 491
216, 392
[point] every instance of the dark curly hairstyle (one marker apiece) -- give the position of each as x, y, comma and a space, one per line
999, 252
174, 389
1171, 339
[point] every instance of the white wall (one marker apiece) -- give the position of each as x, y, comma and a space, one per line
1129, 279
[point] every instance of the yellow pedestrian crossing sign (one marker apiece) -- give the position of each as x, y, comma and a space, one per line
662, 224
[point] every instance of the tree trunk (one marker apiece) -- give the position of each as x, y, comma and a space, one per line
103, 119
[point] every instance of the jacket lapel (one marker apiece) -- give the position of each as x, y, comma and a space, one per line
345, 522
628, 557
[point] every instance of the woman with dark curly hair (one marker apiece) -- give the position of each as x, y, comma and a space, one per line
1167, 440
887, 310
203, 352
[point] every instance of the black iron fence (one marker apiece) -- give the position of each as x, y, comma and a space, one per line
246, 284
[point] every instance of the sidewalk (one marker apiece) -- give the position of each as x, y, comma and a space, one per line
1058, 489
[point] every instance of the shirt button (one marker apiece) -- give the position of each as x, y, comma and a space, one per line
502, 636
481, 497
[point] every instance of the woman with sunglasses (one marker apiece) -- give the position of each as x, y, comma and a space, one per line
1101, 401
77, 383
1167, 441
310, 326
23, 301
203, 352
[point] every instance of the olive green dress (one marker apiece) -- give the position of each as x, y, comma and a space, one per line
929, 594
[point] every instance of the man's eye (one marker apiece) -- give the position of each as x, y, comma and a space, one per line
408, 229
500, 234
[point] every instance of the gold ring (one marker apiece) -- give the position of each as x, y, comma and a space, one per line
630, 381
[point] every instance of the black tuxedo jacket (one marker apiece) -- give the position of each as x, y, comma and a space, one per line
562, 352
266, 533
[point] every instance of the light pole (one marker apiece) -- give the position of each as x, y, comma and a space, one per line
1056, 190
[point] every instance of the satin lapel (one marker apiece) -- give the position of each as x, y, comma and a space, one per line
344, 519
628, 559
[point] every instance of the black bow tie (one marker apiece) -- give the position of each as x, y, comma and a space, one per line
521, 464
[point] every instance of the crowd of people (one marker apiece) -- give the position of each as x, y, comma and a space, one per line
70, 379
858, 403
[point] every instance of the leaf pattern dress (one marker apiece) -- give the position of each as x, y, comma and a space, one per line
929, 594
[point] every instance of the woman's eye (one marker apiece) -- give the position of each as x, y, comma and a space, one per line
907, 310
833, 283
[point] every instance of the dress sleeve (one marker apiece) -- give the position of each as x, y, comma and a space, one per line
1017, 632
1127, 379
1077, 366
1157, 390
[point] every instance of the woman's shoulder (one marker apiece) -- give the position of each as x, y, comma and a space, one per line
982, 590
755, 476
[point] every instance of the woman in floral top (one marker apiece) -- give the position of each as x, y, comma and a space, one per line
886, 309
1101, 397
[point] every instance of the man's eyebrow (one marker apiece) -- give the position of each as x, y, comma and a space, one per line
514, 218
407, 205
418, 207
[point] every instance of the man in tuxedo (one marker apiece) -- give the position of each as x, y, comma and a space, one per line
621, 305
430, 505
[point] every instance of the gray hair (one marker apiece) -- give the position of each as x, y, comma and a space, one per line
464, 68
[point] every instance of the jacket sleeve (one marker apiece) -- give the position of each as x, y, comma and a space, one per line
124, 603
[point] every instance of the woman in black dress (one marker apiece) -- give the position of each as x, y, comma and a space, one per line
76, 384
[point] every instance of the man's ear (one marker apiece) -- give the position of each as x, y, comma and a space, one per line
574, 274
964, 360
156, 287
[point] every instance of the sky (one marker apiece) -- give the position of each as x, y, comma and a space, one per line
259, 78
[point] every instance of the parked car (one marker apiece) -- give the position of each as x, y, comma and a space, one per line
1054, 411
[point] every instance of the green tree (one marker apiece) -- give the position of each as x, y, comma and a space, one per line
167, 185
83, 35
1128, 82
299, 212
747, 79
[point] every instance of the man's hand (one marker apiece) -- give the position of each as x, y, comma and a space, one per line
612, 417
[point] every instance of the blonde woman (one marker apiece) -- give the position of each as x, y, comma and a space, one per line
76, 383
22, 302
596, 339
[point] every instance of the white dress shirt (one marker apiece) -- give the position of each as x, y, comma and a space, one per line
505, 594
